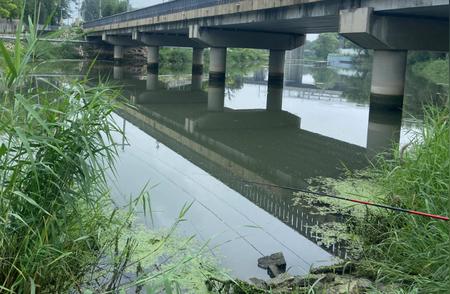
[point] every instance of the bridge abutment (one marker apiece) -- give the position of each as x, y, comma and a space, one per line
388, 79
152, 67
197, 68
276, 80
217, 68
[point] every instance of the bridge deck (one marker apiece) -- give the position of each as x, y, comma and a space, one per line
293, 16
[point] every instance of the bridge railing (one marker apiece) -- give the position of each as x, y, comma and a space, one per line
156, 10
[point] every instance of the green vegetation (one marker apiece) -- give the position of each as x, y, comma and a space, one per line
406, 249
94, 9
435, 70
241, 62
60, 231
9, 9
394, 248
325, 44
47, 11
61, 50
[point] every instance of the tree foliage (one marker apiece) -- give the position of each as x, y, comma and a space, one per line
325, 44
51, 11
91, 8
9, 9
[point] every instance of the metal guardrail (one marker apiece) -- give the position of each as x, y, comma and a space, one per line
156, 10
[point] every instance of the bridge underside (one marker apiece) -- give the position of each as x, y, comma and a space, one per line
389, 27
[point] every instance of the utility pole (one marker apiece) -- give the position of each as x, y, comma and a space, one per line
100, 9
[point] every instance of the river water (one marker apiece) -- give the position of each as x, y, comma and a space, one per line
225, 164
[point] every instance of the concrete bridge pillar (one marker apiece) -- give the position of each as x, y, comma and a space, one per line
197, 68
118, 54
388, 79
276, 80
152, 67
217, 67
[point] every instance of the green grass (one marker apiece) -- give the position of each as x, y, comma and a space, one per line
410, 252
435, 70
406, 249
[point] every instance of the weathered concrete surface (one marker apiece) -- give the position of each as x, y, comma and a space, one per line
276, 80
197, 68
388, 73
384, 32
245, 39
217, 67
300, 17
165, 40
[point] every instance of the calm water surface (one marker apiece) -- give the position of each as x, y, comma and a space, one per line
188, 155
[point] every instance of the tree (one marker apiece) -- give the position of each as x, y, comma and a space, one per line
53, 10
325, 44
91, 8
9, 9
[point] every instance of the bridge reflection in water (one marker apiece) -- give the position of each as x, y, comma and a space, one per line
241, 146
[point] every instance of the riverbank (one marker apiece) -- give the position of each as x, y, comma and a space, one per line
411, 252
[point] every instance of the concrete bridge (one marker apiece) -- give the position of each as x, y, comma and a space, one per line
390, 27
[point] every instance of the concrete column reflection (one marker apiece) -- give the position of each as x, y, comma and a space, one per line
118, 63
276, 80
152, 68
118, 72
197, 68
384, 130
217, 67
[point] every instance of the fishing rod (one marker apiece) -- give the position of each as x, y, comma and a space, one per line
294, 189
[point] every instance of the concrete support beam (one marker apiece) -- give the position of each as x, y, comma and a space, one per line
276, 80
160, 40
152, 68
388, 79
197, 68
217, 68
124, 41
245, 39
381, 32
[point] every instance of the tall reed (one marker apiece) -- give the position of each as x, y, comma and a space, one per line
413, 251
54, 148
59, 229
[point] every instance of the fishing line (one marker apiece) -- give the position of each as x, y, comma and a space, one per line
388, 207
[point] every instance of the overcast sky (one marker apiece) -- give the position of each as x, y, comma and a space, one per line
144, 3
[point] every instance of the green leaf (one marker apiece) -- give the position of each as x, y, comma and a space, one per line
3, 150
32, 286
9, 62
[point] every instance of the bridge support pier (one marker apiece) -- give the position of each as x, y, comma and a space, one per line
197, 68
152, 67
118, 54
388, 79
217, 67
276, 80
